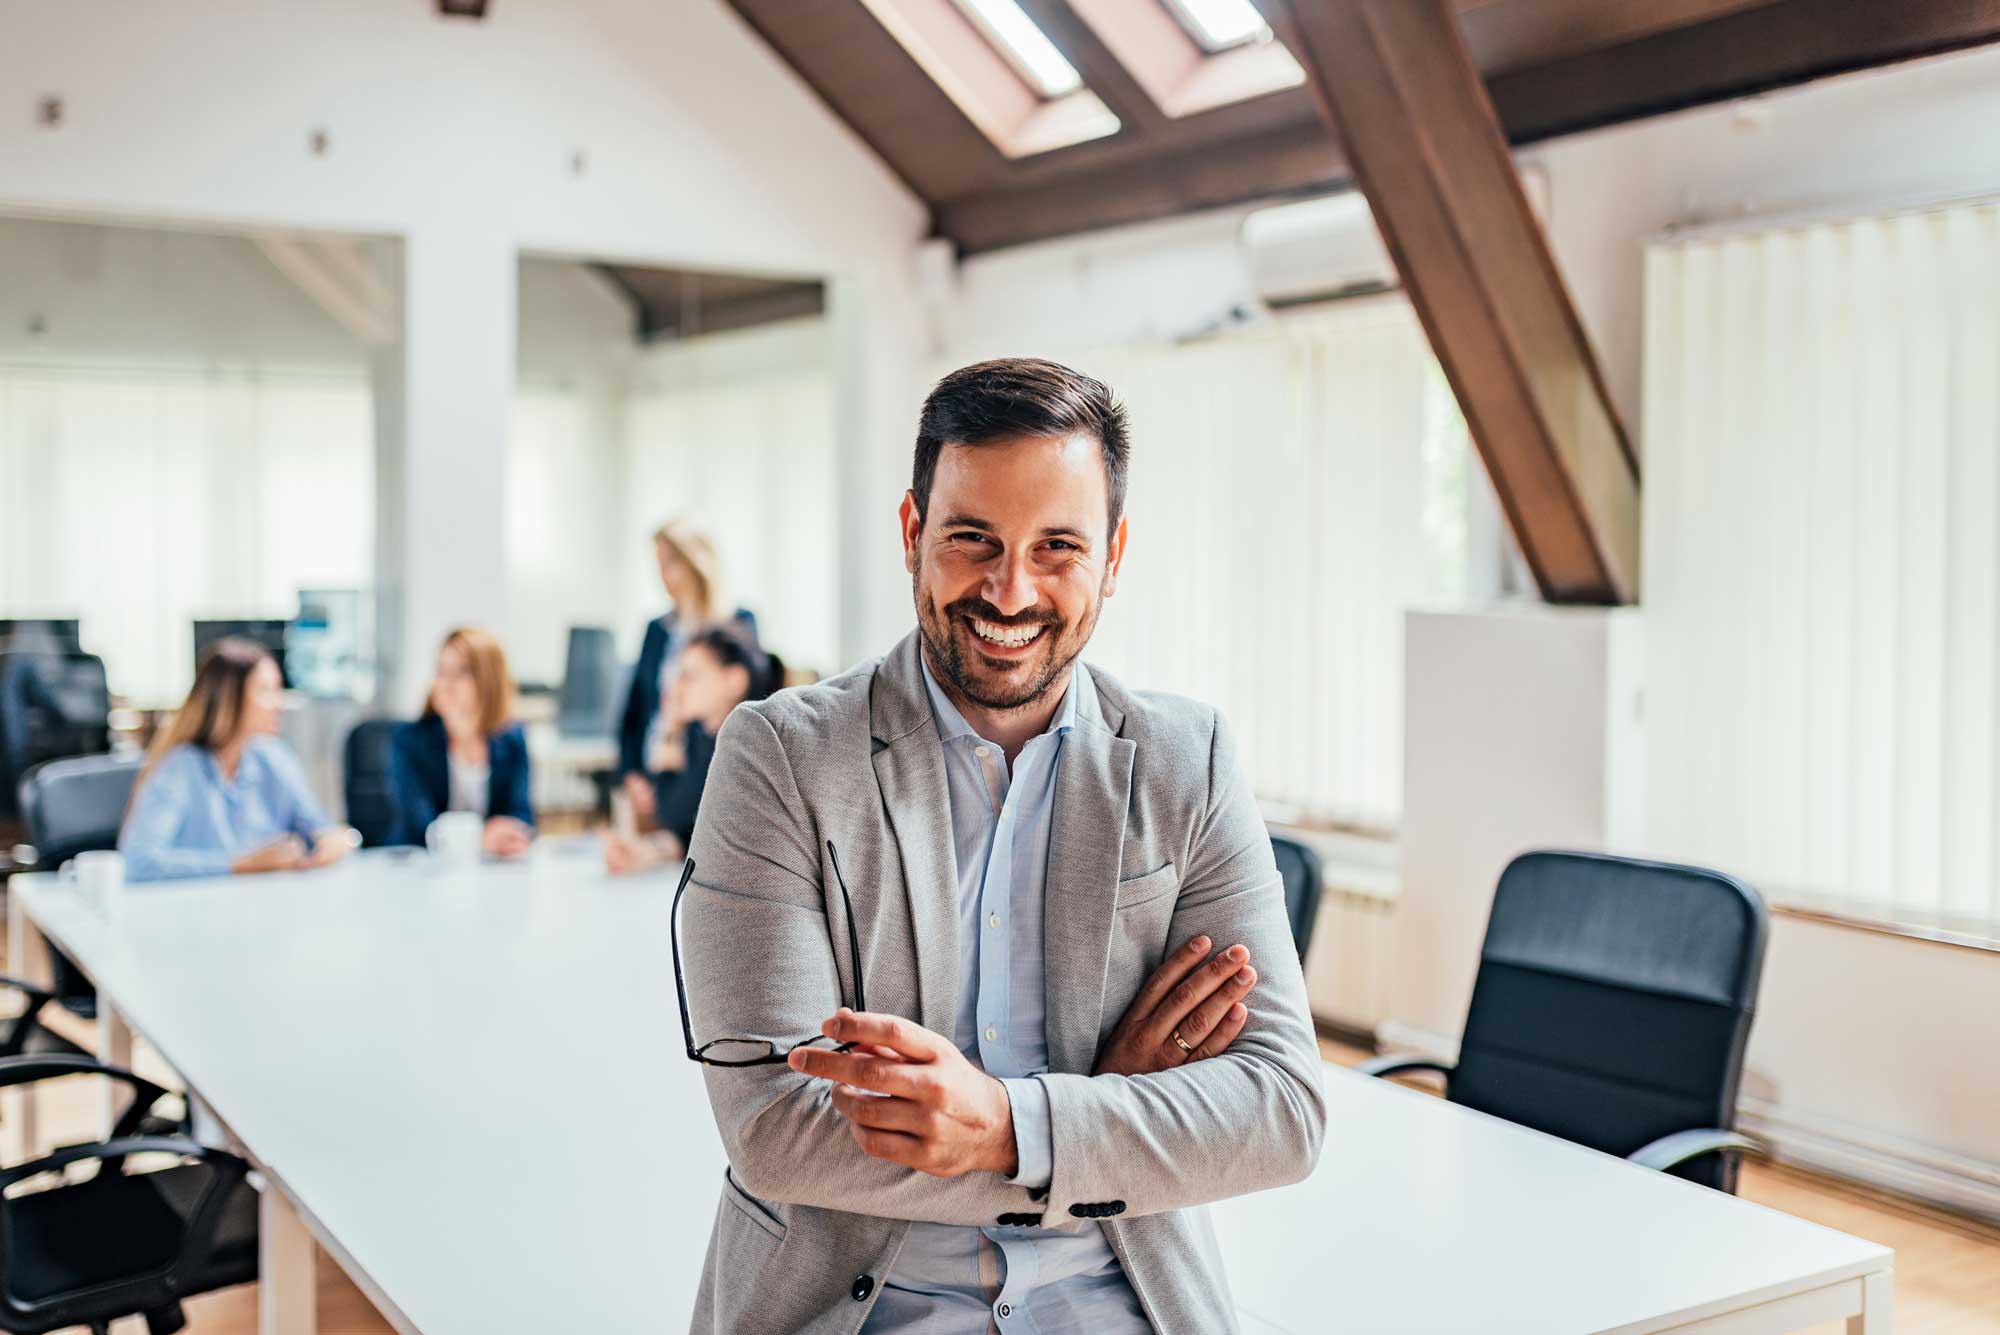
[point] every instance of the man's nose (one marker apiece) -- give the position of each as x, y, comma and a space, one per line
1009, 587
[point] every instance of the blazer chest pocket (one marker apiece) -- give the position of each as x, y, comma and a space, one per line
1154, 885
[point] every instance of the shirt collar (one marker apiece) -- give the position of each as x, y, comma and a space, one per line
951, 724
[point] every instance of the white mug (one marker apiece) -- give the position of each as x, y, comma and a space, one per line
98, 875
455, 837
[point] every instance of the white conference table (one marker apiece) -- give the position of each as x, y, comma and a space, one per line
468, 1085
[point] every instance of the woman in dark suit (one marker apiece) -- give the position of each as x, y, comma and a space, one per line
693, 579
466, 753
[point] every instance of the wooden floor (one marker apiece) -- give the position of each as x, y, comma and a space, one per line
1947, 1269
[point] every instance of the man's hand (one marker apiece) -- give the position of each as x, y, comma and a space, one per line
1202, 1002
930, 1109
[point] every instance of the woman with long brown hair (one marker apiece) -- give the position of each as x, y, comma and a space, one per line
219, 792
466, 753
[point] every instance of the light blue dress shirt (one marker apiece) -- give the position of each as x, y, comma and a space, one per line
949, 1279
189, 820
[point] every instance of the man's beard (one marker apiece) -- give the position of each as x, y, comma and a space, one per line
952, 645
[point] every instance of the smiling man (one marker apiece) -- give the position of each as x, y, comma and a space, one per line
993, 947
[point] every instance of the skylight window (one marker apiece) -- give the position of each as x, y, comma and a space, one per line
1221, 24
1026, 47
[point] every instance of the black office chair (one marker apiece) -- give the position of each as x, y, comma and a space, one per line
1612, 1007
53, 703
75, 806
592, 685
371, 801
1299, 866
120, 1243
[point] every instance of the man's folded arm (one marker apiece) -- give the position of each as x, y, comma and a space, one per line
757, 948
1252, 1117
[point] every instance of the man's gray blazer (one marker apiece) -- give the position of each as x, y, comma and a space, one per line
1156, 838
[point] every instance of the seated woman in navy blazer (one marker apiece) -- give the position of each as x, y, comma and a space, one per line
465, 753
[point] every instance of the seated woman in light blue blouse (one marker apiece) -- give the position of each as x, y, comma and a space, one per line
220, 793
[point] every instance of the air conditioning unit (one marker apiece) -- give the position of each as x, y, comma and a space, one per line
1326, 249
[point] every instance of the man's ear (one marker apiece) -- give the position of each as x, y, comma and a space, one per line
913, 530
1115, 558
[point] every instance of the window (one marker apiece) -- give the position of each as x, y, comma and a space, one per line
1220, 24
1822, 564
1030, 51
1192, 56
1000, 70
162, 495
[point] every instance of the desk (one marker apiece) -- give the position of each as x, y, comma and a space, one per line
467, 1085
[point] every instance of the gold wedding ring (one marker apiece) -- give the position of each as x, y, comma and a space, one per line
1181, 1043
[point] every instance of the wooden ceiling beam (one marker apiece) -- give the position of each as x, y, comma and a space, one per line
1293, 160
1398, 88
1735, 54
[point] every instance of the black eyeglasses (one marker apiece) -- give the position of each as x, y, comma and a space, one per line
757, 1051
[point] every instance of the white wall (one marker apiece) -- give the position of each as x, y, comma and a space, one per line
1515, 721
700, 149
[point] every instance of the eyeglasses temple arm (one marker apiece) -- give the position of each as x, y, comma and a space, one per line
674, 937
853, 937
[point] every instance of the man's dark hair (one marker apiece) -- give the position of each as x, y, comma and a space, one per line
1019, 396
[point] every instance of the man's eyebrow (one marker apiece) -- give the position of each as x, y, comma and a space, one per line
962, 520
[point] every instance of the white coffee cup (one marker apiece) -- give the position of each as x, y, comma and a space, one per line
455, 836
99, 876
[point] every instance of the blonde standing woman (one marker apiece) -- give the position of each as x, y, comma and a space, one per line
692, 576
220, 793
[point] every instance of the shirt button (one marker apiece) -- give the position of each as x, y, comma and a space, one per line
982, 752
992, 920
991, 1033
1005, 1310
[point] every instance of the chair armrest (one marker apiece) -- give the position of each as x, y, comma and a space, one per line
1400, 1064
1676, 1149
120, 1147
26, 1070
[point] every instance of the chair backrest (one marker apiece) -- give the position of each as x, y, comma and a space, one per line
1299, 866
1613, 1002
53, 703
371, 805
75, 805
590, 686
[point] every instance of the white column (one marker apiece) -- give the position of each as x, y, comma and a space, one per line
877, 344
440, 488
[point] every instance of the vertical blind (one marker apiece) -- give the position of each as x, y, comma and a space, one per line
1294, 489
144, 498
1823, 561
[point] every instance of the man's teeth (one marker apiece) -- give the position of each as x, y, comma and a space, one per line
1013, 637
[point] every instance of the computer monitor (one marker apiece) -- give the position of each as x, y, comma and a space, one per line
40, 633
269, 632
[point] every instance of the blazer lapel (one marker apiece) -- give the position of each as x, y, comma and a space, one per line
1086, 839
909, 769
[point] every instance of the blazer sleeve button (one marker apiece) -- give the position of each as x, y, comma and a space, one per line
863, 1286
